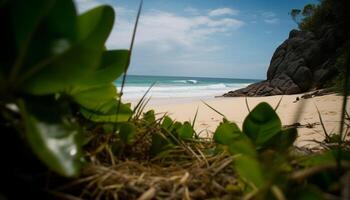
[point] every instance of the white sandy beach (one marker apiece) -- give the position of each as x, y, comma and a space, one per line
234, 108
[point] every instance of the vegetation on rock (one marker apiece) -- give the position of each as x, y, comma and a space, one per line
313, 57
323, 17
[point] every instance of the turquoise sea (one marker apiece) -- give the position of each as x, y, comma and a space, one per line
176, 86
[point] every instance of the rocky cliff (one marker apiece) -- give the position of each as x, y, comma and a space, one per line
302, 62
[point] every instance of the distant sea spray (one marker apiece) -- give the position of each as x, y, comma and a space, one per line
186, 81
181, 87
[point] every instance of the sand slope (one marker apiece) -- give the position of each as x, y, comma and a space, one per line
303, 111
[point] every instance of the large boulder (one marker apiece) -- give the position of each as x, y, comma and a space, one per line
263, 88
301, 62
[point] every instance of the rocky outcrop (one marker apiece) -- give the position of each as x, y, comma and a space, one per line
302, 62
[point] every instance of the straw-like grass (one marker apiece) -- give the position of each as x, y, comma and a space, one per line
190, 169
184, 172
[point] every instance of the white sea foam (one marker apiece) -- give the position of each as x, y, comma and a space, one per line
179, 81
191, 81
168, 91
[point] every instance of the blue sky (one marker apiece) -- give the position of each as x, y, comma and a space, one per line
206, 38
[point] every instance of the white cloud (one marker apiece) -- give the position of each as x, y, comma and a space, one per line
169, 31
272, 21
223, 11
268, 14
270, 18
171, 43
191, 11
166, 30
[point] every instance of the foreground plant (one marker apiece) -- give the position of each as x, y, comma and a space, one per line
152, 158
260, 150
56, 65
267, 165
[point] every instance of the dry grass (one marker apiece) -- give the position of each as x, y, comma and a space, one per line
189, 170
185, 172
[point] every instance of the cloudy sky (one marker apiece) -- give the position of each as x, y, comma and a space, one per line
206, 38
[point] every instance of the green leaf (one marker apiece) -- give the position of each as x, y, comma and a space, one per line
62, 20
326, 157
167, 123
108, 113
262, 124
100, 104
242, 145
95, 98
159, 144
177, 126
226, 132
95, 25
309, 192
18, 20
127, 132
27, 17
149, 116
284, 139
73, 62
43, 39
186, 131
250, 170
112, 65
317, 159
53, 138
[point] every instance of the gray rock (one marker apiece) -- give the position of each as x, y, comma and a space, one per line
285, 84
300, 63
303, 78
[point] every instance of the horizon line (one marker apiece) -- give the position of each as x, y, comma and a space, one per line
175, 76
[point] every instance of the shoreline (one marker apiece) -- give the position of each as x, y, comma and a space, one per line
234, 108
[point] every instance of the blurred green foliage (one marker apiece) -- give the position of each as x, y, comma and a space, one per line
325, 16
264, 163
55, 64
313, 17
259, 150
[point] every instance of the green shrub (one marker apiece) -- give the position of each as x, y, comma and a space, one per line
54, 64
326, 13
340, 64
263, 159
259, 150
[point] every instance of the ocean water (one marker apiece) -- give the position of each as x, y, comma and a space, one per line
179, 87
